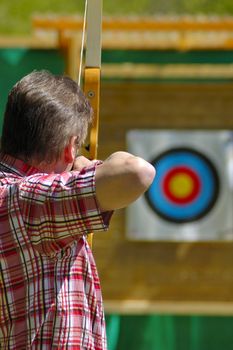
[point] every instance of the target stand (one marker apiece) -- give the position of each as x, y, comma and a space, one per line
191, 197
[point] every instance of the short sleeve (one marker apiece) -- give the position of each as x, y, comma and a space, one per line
57, 209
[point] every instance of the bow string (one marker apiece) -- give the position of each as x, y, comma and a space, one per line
92, 72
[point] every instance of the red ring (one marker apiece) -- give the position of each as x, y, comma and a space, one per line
196, 185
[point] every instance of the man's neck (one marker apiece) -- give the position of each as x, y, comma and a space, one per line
55, 167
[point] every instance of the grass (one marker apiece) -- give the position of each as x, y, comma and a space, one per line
15, 15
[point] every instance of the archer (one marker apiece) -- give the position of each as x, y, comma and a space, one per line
50, 200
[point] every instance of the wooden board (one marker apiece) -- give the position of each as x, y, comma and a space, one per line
180, 273
148, 33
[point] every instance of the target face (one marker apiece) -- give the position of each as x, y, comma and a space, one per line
186, 186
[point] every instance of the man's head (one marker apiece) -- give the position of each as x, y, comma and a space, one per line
43, 113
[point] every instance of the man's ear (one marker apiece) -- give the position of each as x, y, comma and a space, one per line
70, 150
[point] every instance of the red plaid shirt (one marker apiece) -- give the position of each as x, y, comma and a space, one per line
50, 293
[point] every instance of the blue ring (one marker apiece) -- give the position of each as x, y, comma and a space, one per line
209, 181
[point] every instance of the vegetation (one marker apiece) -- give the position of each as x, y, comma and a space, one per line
15, 15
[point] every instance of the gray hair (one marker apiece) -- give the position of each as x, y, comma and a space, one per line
43, 111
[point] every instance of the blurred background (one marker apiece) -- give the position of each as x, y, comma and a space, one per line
16, 15
166, 265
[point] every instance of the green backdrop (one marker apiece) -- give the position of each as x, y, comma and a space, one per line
148, 332
169, 332
17, 62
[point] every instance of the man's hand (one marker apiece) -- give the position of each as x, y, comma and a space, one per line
81, 162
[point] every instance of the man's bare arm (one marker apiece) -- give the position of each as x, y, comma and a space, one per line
121, 179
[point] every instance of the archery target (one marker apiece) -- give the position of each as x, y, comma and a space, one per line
191, 196
186, 186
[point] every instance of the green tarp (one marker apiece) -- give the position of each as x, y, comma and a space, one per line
15, 63
169, 332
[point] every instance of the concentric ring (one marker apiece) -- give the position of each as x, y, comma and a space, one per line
186, 186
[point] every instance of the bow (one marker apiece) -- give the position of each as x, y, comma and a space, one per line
91, 85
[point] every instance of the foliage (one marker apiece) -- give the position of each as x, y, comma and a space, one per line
15, 15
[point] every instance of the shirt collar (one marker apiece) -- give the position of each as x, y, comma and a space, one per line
16, 166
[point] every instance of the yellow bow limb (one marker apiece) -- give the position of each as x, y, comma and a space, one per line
92, 70
92, 91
